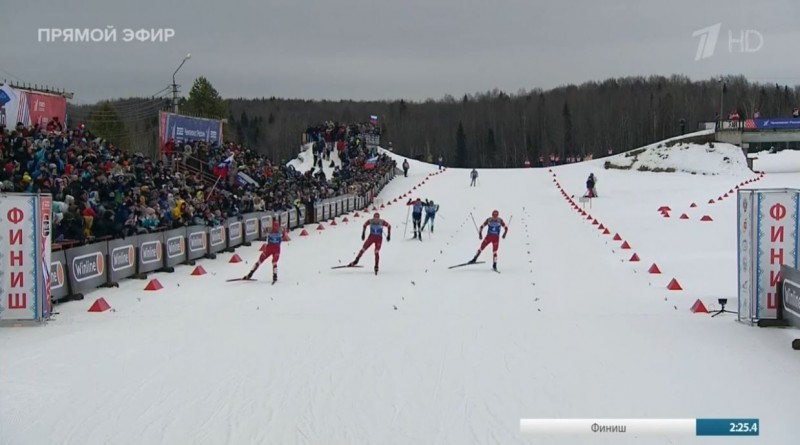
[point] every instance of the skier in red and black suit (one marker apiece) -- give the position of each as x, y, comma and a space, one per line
376, 225
492, 236
272, 249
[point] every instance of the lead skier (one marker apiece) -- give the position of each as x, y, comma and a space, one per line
494, 224
376, 225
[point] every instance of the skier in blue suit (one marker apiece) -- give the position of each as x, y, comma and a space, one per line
430, 214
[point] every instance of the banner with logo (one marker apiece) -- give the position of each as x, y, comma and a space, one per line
284, 219
122, 258
42, 107
302, 216
235, 233
351, 203
217, 240
318, 212
197, 241
174, 247
87, 267
185, 128
44, 251
790, 295
266, 225
326, 210
251, 229
772, 124
59, 289
292, 218
767, 235
150, 252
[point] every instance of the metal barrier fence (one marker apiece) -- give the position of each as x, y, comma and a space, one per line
81, 269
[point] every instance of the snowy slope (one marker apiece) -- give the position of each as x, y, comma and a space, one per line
785, 161
707, 159
422, 354
305, 161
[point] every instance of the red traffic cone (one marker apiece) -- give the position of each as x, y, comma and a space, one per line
634, 257
153, 285
304, 232
595, 222
654, 269
320, 227
100, 305
625, 245
617, 237
344, 220
333, 222
684, 216
694, 204
706, 218
699, 307
711, 201
674, 285
606, 232
601, 227
198, 271
356, 215
235, 258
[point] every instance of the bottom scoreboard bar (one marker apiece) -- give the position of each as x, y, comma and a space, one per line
643, 427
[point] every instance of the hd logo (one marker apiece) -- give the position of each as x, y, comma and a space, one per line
87, 267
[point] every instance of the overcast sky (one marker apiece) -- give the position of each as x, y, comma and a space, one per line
391, 49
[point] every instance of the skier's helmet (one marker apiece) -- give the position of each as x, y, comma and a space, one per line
376, 215
495, 213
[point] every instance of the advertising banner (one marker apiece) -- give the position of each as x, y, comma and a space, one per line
284, 218
197, 240
318, 212
351, 203
150, 252
266, 225
87, 267
24, 271
185, 128
217, 240
235, 233
122, 258
790, 295
59, 289
772, 124
292, 218
326, 210
302, 215
767, 230
42, 107
251, 228
174, 242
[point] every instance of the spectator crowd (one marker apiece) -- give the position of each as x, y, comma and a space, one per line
101, 191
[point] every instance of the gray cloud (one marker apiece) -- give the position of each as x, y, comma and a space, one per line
412, 49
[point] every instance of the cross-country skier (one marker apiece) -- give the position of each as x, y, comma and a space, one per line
376, 225
272, 249
430, 214
474, 175
492, 237
416, 216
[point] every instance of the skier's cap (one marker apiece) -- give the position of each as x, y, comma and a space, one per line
495, 213
376, 215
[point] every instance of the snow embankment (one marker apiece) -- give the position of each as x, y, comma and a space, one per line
305, 161
706, 159
785, 161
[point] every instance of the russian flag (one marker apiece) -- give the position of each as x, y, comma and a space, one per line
370, 163
221, 170
373, 119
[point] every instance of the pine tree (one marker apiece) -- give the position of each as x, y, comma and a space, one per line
568, 144
491, 149
204, 101
105, 122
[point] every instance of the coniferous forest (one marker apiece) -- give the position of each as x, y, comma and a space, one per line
484, 130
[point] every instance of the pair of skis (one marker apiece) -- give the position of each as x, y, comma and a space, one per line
247, 279
470, 263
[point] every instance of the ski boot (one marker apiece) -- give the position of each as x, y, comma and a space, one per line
274, 277
494, 266
353, 263
376, 269
473, 260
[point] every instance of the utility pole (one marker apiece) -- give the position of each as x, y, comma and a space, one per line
175, 85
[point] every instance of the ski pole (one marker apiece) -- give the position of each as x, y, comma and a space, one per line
474, 223
405, 231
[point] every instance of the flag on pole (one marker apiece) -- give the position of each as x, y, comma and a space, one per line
373, 119
370, 163
221, 169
